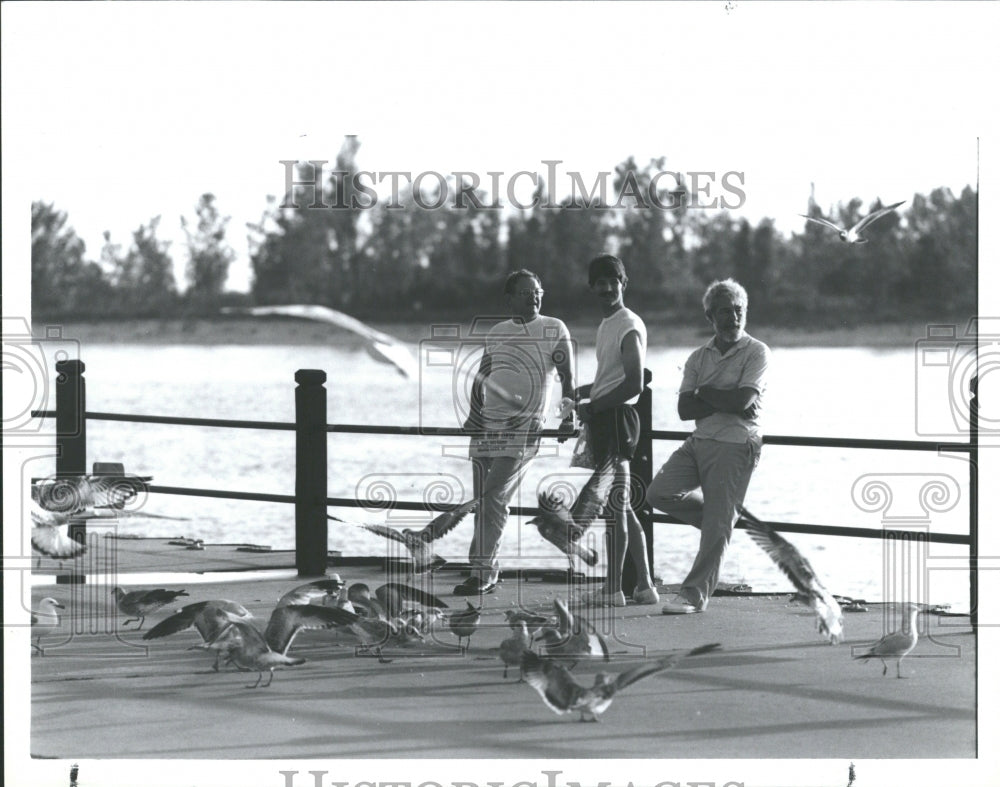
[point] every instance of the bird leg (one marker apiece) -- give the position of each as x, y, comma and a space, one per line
898, 662
141, 621
260, 676
505, 672
270, 677
382, 659
885, 667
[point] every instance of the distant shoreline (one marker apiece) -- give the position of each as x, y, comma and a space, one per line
240, 331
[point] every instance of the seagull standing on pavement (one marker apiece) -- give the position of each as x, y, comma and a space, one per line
205, 618
418, 542
896, 645
853, 234
248, 650
43, 620
323, 592
564, 694
465, 623
380, 346
574, 638
514, 647
139, 603
829, 617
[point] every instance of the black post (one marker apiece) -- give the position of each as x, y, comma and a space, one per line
71, 438
641, 470
310, 473
974, 503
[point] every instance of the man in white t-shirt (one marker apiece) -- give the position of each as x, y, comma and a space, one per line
705, 480
510, 394
613, 426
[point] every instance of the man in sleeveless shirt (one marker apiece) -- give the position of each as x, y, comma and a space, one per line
613, 424
510, 393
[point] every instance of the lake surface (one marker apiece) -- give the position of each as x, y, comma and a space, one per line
841, 392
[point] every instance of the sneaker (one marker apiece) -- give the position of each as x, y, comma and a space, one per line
647, 596
679, 605
474, 586
598, 598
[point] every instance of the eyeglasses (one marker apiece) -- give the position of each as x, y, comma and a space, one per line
529, 293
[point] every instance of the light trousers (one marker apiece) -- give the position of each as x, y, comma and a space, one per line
494, 481
702, 484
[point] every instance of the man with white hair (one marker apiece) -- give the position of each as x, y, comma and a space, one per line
705, 480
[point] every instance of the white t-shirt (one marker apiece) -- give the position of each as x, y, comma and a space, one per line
610, 333
522, 367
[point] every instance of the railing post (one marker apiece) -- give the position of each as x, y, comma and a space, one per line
71, 438
310, 473
974, 503
641, 470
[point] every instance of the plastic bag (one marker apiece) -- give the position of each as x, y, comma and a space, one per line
583, 454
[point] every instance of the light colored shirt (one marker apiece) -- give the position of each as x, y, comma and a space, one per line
610, 333
744, 365
521, 367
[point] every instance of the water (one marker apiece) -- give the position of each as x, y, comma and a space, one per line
843, 392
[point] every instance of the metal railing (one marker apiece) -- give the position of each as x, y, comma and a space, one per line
311, 499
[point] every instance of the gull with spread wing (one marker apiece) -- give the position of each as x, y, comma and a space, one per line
419, 542
853, 234
573, 638
380, 346
829, 617
563, 693
563, 526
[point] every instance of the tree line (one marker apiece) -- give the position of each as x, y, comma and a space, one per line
406, 262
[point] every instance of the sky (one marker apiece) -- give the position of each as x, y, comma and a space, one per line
118, 112
125, 113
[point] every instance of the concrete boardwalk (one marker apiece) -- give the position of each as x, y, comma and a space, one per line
774, 690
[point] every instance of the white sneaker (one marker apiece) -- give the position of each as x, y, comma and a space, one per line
647, 596
678, 605
598, 598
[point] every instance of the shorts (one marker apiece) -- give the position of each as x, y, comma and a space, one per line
614, 433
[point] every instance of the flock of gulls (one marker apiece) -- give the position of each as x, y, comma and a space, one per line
543, 648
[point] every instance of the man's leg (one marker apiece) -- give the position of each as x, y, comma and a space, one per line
725, 469
496, 478
674, 489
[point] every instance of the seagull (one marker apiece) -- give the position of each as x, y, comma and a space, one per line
514, 647
896, 645
248, 649
203, 616
380, 346
829, 618
853, 235
534, 623
574, 637
418, 542
50, 536
74, 493
564, 694
319, 592
140, 603
393, 594
45, 618
464, 624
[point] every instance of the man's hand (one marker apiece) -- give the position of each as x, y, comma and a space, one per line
751, 412
566, 428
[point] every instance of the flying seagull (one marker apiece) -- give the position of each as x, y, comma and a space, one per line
829, 618
418, 542
43, 620
853, 235
896, 645
393, 594
50, 536
564, 694
139, 603
380, 346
